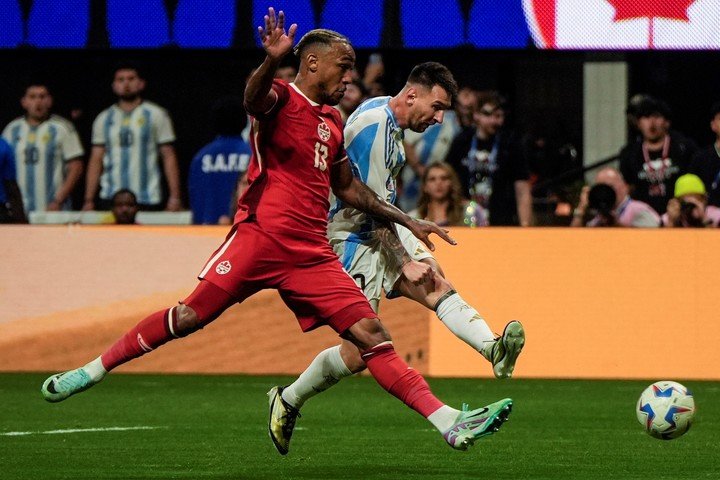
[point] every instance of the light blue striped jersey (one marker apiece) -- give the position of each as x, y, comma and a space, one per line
41, 153
373, 141
131, 141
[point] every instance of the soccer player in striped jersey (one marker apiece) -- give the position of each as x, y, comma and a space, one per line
127, 138
48, 152
400, 264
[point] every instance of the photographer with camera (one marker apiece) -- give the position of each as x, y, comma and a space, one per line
689, 207
608, 203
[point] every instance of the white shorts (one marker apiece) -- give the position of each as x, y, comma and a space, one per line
369, 267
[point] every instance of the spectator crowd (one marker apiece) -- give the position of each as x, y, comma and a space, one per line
471, 170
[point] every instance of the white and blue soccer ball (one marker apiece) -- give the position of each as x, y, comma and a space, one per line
666, 409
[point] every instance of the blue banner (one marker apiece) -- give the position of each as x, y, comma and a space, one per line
233, 23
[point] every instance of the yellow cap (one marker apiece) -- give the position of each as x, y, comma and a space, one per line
689, 184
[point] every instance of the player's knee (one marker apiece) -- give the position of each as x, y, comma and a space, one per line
367, 333
187, 320
442, 286
351, 357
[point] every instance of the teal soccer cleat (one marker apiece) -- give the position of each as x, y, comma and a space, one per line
473, 424
61, 385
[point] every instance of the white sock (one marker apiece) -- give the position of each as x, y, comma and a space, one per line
325, 371
465, 322
95, 369
443, 418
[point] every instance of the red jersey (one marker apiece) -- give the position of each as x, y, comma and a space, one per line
294, 146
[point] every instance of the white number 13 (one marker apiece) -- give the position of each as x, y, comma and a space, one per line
321, 154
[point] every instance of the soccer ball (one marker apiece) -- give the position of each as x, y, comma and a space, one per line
666, 409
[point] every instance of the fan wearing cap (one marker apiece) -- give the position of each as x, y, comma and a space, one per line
651, 164
608, 203
689, 207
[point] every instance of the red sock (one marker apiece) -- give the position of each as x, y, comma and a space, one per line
394, 375
146, 336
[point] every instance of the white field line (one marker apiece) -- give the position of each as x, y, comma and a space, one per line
78, 430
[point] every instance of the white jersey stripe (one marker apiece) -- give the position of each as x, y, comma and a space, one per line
217, 255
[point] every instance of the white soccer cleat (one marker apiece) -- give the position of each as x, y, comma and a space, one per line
506, 349
62, 385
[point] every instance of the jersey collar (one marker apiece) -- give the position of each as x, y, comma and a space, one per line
314, 104
396, 129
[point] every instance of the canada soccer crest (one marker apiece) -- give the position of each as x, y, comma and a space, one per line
324, 131
623, 24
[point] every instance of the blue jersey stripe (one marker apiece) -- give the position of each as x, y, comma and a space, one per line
146, 143
359, 150
108, 151
50, 164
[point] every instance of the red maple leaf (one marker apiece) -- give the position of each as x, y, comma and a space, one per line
670, 9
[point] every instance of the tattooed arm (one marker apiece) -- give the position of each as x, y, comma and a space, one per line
355, 193
397, 257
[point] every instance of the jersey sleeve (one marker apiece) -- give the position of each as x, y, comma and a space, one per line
98, 130
71, 147
282, 95
164, 128
365, 144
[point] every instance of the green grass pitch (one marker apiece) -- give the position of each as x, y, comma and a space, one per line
214, 427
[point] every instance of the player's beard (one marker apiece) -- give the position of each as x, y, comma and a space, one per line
129, 97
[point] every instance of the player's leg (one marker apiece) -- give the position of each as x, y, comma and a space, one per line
460, 428
460, 317
365, 267
326, 369
203, 306
466, 323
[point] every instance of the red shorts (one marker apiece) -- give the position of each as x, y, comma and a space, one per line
309, 276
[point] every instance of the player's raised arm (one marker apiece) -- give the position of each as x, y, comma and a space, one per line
358, 195
259, 98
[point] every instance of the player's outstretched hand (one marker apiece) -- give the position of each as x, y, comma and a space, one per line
276, 42
422, 230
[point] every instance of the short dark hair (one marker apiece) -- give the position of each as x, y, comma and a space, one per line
653, 106
429, 74
124, 191
129, 65
36, 83
491, 97
319, 35
228, 116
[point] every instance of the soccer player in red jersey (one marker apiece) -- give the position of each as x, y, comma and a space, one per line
298, 155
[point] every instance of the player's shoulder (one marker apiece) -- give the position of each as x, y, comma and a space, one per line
104, 113
370, 112
62, 123
14, 123
153, 107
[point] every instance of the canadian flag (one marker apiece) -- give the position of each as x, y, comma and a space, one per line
624, 24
